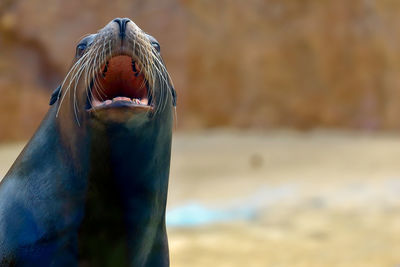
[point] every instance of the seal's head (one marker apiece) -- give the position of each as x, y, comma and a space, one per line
117, 76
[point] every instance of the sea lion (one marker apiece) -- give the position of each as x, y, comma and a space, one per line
91, 185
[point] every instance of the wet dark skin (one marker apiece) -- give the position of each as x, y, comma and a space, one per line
92, 193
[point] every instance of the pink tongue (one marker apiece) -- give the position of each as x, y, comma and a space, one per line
97, 103
121, 98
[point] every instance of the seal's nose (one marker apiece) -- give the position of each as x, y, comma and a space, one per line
122, 26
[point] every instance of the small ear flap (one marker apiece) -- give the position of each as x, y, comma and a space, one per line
174, 96
55, 95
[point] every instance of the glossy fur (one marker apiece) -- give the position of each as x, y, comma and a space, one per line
89, 194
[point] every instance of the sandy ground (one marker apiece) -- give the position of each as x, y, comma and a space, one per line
281, 199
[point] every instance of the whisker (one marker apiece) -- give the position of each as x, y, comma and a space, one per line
88, 68
73, 68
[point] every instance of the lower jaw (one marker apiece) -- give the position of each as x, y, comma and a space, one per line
119, 102
121, 112
137, 101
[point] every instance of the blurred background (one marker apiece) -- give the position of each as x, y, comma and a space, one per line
287, 144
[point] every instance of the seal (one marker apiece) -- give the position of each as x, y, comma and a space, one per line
91, 185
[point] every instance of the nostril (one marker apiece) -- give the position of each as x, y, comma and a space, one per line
125, 20
122, 26
119, 21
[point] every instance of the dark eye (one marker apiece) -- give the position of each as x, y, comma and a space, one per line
80, 49
156, 46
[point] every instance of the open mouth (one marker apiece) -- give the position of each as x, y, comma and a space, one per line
121, 83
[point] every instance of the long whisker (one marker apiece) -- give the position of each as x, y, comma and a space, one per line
72, 70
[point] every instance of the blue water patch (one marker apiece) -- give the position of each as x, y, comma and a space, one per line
196, 214
247, 208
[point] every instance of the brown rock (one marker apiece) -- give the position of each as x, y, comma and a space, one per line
259, 63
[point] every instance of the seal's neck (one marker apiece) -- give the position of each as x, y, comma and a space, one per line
128, 186
45, 195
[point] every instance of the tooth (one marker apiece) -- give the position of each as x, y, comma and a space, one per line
134, 66
144, 101
96, 103
105, 70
